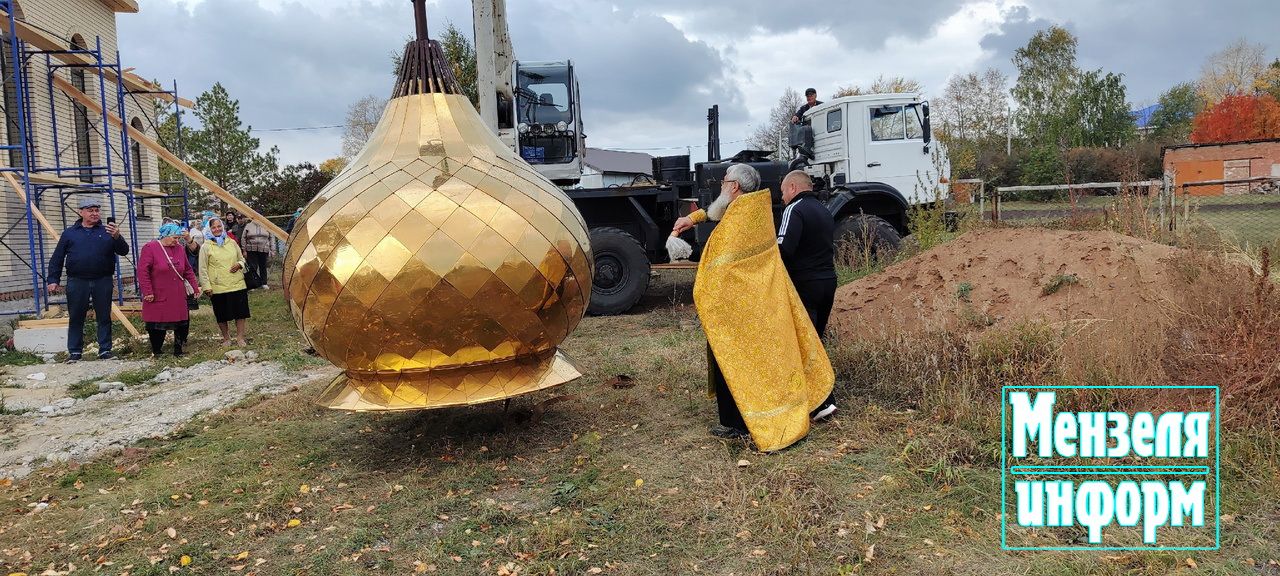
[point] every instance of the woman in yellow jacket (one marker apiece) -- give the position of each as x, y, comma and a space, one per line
222, 278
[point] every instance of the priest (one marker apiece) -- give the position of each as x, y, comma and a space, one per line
766, 364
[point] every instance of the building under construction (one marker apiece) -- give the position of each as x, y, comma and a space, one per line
76, 120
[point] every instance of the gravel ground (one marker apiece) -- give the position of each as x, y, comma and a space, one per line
58, 428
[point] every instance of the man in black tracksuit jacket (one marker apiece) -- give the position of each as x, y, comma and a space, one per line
806, 239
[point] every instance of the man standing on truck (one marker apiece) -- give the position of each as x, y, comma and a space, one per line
765, 361
806, 239
810, 100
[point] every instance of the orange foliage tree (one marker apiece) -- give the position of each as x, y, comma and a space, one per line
1238, 117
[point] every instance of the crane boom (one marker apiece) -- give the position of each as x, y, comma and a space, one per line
494, 60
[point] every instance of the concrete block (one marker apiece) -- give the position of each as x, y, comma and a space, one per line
41, 339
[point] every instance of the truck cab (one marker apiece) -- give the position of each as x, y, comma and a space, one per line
877, 139
548, 120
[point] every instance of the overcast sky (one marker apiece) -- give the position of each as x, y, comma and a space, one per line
649, 69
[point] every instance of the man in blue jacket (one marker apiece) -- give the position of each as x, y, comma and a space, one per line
88, 251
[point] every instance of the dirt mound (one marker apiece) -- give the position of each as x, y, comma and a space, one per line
1001, 277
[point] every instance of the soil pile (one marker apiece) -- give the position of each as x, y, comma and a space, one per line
1002, 277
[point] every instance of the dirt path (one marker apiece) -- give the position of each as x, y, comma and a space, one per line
57, 428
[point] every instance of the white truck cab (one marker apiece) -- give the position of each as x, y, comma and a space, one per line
878, 138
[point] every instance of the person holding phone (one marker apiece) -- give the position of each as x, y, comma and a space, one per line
87, 251
221, 271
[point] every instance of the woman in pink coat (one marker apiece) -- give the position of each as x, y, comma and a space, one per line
166, 278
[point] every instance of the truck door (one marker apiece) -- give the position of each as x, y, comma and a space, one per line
833, 146
894, 137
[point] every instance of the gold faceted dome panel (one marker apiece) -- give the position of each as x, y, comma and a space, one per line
438, 268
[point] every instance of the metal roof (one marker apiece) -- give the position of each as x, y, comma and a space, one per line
618, 161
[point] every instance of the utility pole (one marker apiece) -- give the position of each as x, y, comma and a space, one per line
1008, 130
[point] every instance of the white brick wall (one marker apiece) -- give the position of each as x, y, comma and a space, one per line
91, 20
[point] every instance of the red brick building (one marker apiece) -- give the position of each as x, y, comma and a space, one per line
1226, 161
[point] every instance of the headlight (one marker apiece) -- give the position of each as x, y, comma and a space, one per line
561, 126
523, 128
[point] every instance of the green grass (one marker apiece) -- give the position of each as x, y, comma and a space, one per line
84, 388
550, 483
15, 358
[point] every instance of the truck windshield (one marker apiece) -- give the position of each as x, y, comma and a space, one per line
543, 95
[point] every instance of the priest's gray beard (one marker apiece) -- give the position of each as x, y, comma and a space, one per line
717, 209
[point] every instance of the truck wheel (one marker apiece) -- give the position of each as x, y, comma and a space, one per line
860, 235
621, 272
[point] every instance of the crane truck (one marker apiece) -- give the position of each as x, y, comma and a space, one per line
871, 158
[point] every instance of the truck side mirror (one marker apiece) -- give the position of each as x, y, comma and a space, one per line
928, 133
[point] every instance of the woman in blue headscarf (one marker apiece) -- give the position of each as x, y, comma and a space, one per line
166, 280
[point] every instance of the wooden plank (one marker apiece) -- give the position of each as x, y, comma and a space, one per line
53, 232
174, 161
45, 41
1087, 186
44, 323
45, 178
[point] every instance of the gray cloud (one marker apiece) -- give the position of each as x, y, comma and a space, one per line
644, 83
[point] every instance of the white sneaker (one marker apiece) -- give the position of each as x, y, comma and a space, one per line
823, 413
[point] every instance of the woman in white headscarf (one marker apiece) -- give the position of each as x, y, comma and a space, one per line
222, 277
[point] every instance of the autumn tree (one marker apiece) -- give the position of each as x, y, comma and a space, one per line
1269, 80
882, 85
362, 118
765, 136
974, 106
224, 150
1237, 118
333, 166
1046, 86
1178, 106
971, 118
1232, 70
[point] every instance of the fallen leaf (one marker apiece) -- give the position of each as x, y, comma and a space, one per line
880, 522
242, 555
928, 507
639, 482
871, 553
758, 552
294, 522
1228, 519
304, 489
171, 532
743, 463
397, 488
1191, 563
185, 560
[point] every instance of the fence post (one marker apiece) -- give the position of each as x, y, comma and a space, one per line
1164, 193
982, 200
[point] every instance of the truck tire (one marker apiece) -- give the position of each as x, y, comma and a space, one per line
855, 232
621, 272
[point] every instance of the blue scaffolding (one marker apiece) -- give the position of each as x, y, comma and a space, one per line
113, 175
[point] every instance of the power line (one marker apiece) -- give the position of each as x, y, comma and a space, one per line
298, 128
